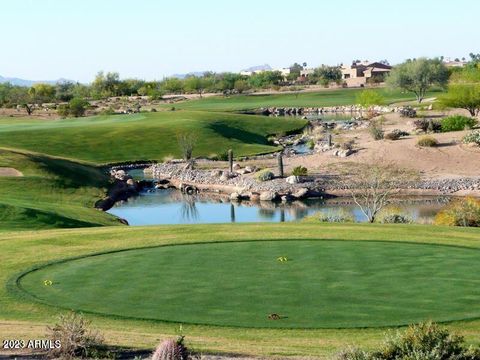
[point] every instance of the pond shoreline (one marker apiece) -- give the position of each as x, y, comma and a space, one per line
244, 189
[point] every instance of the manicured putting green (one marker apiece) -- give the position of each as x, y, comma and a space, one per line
329, 284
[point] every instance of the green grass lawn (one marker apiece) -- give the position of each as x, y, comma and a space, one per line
23, 316
52, 193
147, 136
323, 284
335, 97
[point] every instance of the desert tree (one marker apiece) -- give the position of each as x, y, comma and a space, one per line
418, 76
373, 184
186, 142
464, 91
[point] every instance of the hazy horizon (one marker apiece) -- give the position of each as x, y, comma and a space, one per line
51, 39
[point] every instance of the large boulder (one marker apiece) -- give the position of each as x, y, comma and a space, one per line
234, 196
268, 196
292, 179
300, 193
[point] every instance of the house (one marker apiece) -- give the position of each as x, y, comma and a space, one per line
454, 63
360, 72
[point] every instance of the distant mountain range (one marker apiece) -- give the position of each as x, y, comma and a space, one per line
264, 67
23, 82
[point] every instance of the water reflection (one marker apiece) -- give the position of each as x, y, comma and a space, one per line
173, 207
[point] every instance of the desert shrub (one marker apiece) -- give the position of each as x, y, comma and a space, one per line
353, 353
333, 216
264, 175
392, 136
171, 349
219, 157
347, 144
408, 112
310, 144
396, 134
395, 219
300, 171
376, 130
426, 341
77, 107
427, 141
75, 337
63, 110
108, 111
472, 138
457, 123
464, 212
428, 125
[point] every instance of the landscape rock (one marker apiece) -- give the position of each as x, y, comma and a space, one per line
292, 179
268, 196
300, 193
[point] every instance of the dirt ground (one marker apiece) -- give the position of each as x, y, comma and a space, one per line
450, 159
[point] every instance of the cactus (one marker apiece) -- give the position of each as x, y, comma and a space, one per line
230, 160
171, 349
280, 165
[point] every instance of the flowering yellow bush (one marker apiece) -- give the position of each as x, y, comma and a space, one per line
465, 212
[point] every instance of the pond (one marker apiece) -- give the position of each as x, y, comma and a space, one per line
169, 206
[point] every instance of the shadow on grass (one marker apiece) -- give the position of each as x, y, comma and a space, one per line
244, 136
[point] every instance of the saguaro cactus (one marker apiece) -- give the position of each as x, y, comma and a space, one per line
230, 160
329, 140
280, 164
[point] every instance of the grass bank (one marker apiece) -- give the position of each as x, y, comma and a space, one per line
52, 193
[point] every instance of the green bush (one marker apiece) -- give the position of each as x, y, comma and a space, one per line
457, 123
472, 138
426, 341
310, 144
264, 175
77, 107
427, 141
300, 171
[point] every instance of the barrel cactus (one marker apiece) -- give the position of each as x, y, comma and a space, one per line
171, 349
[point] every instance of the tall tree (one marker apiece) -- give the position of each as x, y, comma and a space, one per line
464, 91
418, 76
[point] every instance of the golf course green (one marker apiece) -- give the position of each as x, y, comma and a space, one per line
308, 283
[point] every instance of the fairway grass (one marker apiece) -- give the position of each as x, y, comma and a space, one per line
320, 284
324, 98
21, 251
145, 136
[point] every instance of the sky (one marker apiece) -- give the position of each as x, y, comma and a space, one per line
151, 39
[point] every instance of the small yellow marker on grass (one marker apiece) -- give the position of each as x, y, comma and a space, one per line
282, 259
47, 282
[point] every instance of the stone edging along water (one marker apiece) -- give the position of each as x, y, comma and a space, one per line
242, 185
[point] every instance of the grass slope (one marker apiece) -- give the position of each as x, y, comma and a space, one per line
148, 136
52, 193
336, 97
324, 284
21, 317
